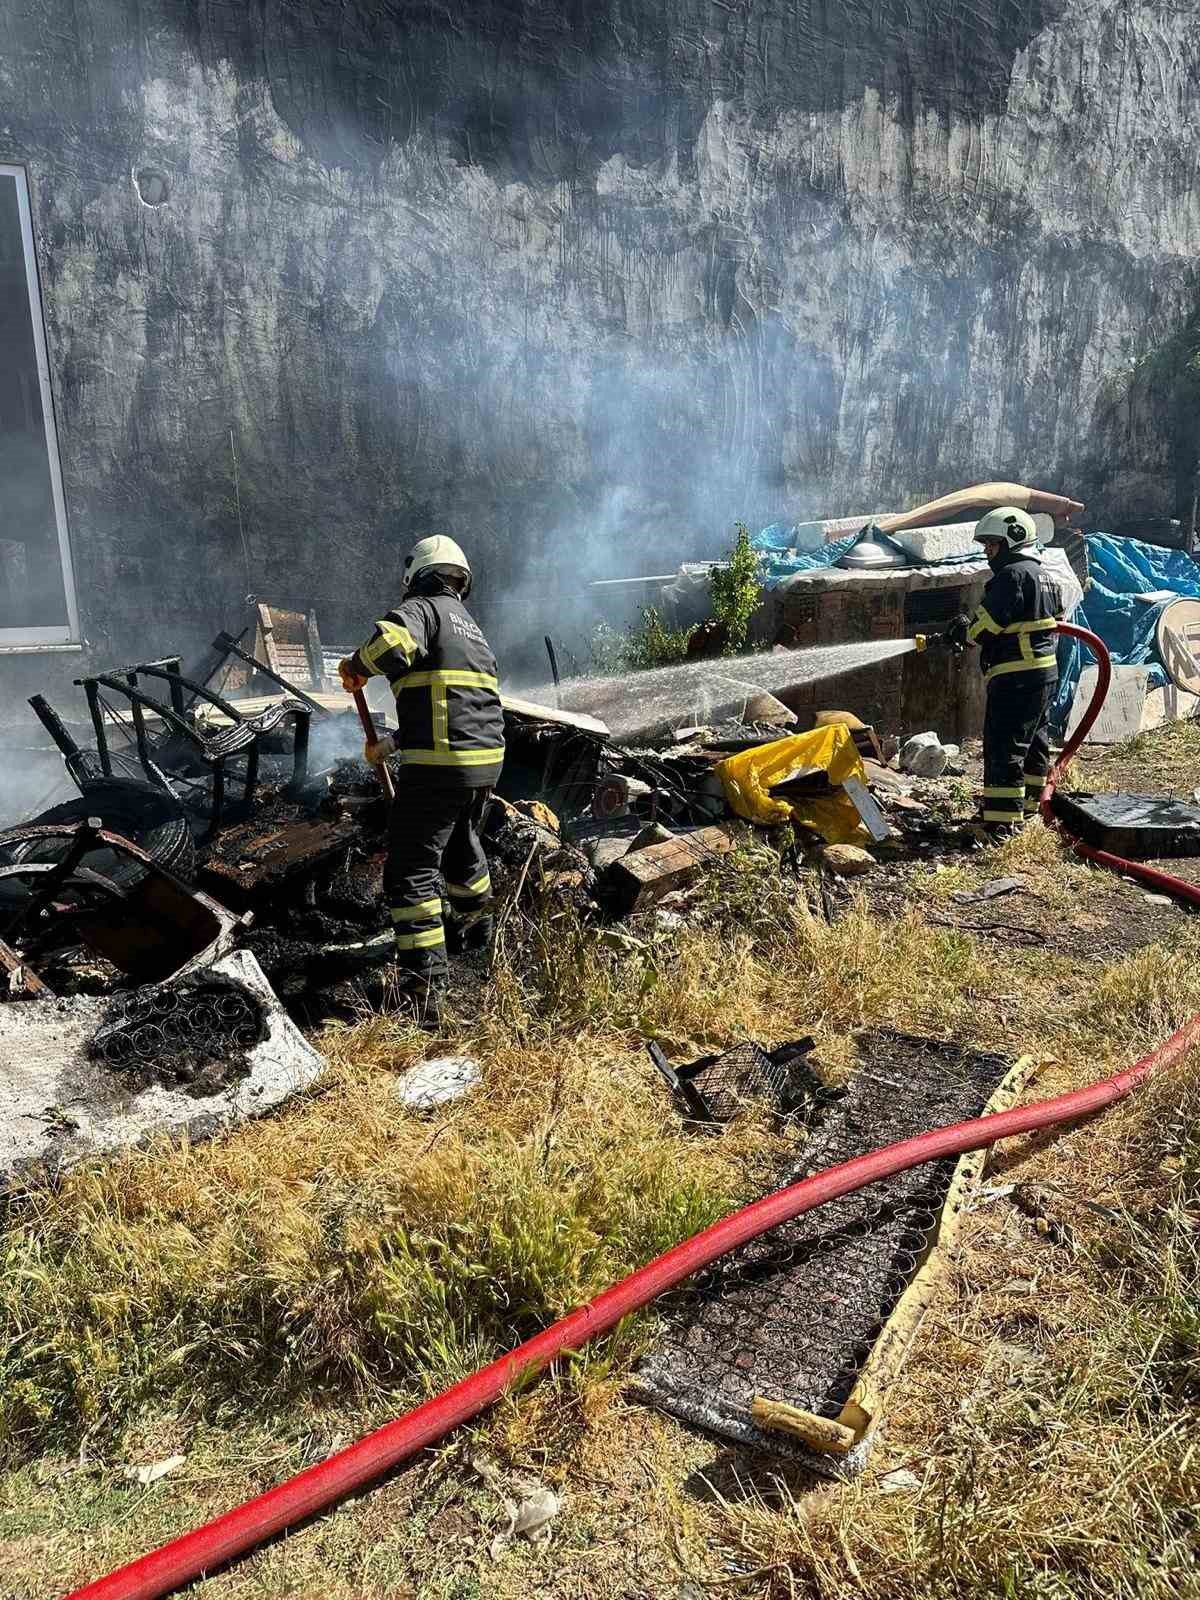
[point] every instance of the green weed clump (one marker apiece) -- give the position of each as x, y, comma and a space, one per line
366, 1266
736, 591
656, 645
652, 644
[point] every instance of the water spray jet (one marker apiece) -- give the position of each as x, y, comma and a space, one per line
638, 703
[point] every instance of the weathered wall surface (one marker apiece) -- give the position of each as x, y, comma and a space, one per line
582, 280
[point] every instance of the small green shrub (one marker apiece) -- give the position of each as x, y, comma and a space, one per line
651, 645
655, 645
736, 591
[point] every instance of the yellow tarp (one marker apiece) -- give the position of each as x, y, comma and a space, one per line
749, 776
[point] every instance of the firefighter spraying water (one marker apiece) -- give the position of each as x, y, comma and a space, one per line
1014, 628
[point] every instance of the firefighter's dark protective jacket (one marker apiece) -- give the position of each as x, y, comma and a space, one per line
443, 675
1014, 625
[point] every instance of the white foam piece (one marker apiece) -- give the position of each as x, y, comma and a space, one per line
812, 535
58, 1106
941, 543
436, 1082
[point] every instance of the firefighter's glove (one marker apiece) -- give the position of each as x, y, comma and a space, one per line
351, 680
955, 636
379, 750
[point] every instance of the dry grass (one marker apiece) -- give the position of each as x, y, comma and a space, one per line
302, 1278
1165, 761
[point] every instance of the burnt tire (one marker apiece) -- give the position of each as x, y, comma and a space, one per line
148, 817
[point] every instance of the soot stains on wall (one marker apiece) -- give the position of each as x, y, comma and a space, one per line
580, 282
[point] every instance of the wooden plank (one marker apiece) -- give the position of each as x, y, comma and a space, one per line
266, 635
643, 877
21, 976
538, 713
312, 647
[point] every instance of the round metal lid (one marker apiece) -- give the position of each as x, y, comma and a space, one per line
872, 554
1179, 643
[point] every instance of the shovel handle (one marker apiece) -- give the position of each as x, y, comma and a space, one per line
368, 728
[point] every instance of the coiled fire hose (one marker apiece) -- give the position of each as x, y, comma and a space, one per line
247, 1526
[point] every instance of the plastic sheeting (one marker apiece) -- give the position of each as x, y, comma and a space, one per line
1121, 569
749, 777
779, 557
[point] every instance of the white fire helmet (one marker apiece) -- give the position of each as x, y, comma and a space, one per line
436, 551
1013, 528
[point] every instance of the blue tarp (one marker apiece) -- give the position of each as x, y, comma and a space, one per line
777, 560
1119, 568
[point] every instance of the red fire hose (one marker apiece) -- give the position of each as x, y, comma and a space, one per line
246, 1527
1164, 882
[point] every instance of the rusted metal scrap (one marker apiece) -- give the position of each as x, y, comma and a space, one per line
158, 927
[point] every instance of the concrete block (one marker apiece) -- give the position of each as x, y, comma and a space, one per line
1123, 710
941, 543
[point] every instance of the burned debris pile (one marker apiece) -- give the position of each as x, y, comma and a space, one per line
257, 813
211, 825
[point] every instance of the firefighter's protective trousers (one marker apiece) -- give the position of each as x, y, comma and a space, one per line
1014, 627
433, 848
1016, 746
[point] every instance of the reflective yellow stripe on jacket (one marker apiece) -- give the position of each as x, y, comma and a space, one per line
438, 681
391, 636
452, 758
983, 622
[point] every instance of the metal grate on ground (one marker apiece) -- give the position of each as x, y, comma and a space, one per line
793, 1316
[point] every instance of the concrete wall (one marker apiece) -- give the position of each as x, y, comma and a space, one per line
581, 280
906, 695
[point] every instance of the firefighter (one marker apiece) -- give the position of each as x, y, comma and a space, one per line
450, 741
1014, 627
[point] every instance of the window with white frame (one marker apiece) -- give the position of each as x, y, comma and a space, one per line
37, 590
